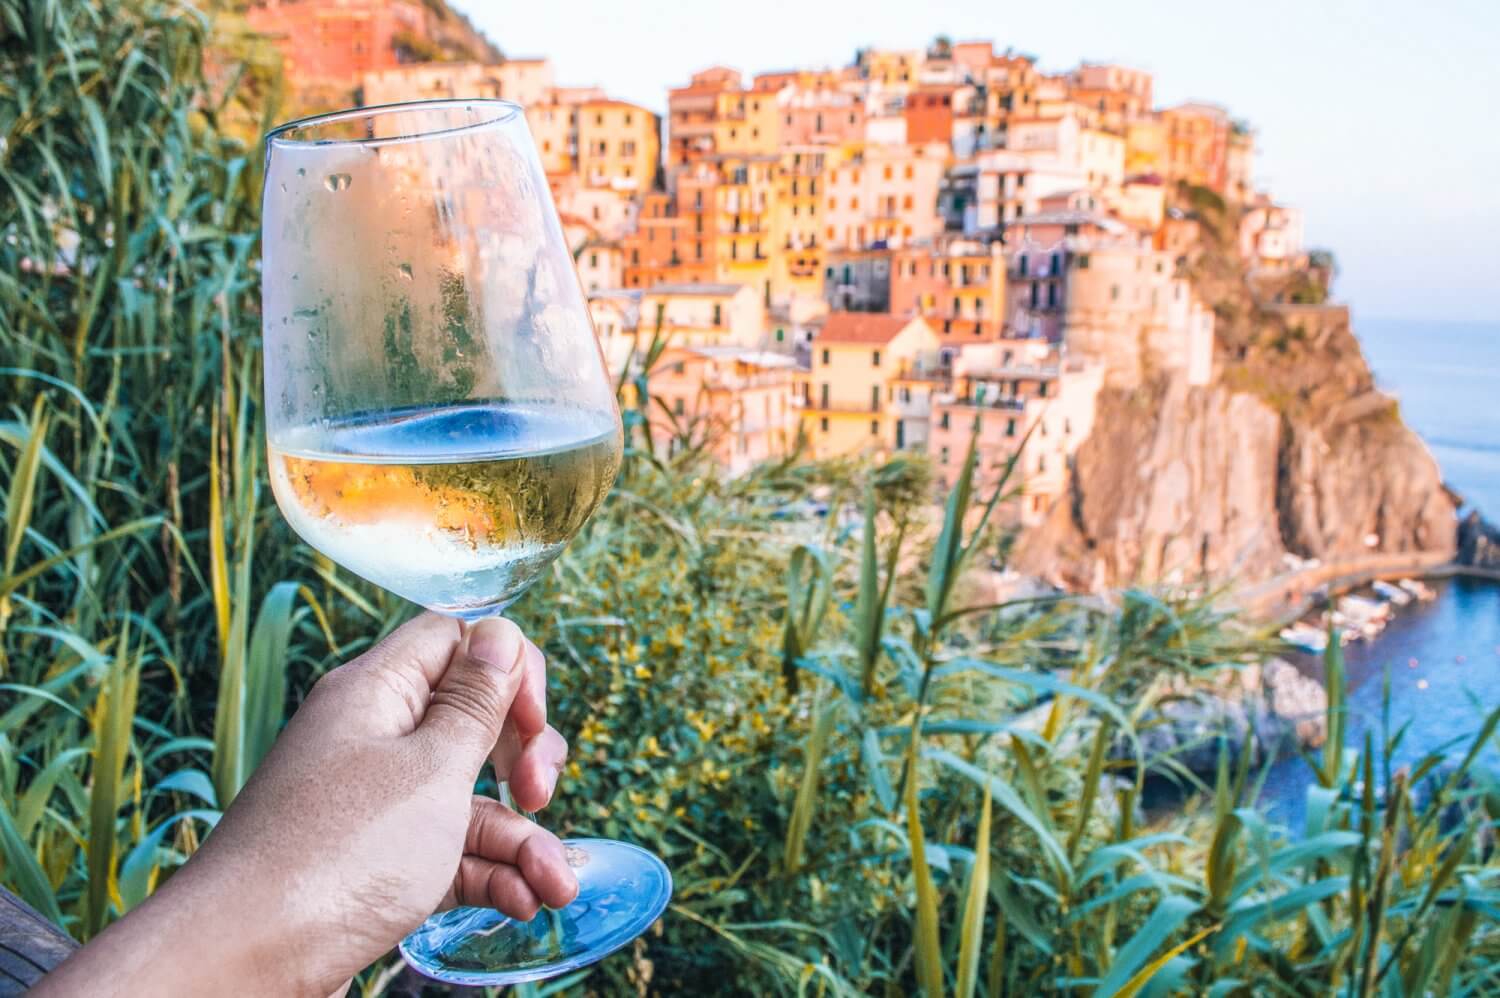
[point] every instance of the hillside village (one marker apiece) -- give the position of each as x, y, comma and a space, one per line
888, 255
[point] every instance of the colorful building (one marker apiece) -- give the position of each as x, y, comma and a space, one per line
697, 315
734, 403
619, 145
337, 44
848, 388
1036, 413
886, 195
957, 281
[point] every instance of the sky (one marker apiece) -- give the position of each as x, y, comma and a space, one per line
1377, 118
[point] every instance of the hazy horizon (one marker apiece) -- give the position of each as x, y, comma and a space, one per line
1357, 118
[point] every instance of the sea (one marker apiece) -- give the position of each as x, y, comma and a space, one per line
1442, 657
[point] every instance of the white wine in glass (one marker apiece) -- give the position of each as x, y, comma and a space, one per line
440, 421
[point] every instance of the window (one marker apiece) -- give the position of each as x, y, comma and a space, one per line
1042, 393
1041, 462
874, 427
943, 422
875, 398
825, 357
1021, 266
1067, 427
875, 359
593, 259
718, 314
677, 407
1052, 294
823, 395
833, 204
906, 202
958, 307
1083, 261
888, 171
854, 204
1010, 427
1114, 292
598, 119
943, 454
823, 424
780, 335
697, 251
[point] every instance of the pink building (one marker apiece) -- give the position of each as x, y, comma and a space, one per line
735, 403
820, 114
1048, 407
887, 195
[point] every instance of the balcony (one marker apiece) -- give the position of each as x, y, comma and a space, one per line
851, 408
931, 375
1002, 403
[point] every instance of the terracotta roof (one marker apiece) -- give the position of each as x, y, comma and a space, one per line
611, 102
862, 327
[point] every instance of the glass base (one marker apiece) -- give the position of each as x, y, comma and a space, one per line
622, 889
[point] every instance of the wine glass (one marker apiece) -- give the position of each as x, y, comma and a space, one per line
440, 420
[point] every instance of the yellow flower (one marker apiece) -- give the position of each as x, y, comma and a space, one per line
641, 672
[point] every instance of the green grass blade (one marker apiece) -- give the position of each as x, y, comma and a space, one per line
971, 929
1165, 920
806, 801
23, 871
112, 719
928, 948
265, 671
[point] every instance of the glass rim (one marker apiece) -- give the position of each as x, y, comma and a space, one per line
505, 111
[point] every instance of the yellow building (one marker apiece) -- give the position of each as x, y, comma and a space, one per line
796, 224
619, 145
1146, 147
848, 396
746, 123
702, 315
554, 129
744, 194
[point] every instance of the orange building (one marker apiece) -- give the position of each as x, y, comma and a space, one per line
692, 112
619, 145
1197, 145
654, 252
929, 113
336, 42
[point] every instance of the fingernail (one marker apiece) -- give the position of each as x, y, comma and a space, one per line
490, 643
552, 776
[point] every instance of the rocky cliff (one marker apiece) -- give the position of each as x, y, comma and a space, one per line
1289, 450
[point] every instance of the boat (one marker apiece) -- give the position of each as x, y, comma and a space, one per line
1392, 593
1417, 588
1306, 637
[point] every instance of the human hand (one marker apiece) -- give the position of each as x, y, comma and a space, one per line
360, 823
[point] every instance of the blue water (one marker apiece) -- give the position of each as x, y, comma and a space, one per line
1444, 656
1447, 377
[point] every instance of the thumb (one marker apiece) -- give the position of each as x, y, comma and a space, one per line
475, 692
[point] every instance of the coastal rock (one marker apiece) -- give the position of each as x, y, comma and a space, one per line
1478, 542
1290, 449
1271, 707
